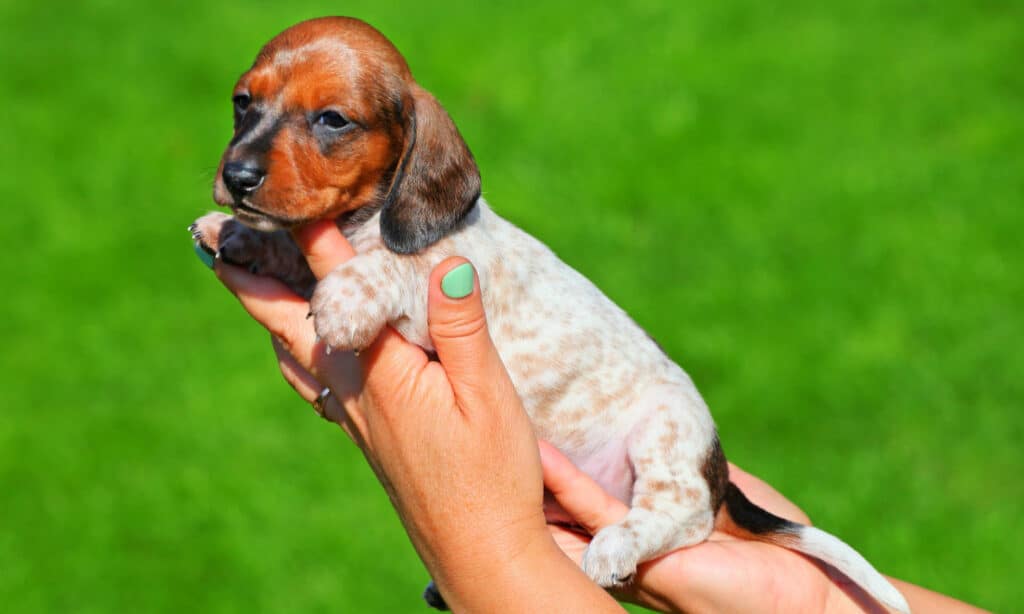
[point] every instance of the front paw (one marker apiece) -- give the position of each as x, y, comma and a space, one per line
347, 309
611, 558
223, 235
206, 230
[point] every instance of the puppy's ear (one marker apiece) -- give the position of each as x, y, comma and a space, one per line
436, 182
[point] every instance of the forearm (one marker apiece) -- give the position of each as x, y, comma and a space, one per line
538, 579
924, 600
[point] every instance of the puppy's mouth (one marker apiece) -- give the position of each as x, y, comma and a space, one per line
257, 218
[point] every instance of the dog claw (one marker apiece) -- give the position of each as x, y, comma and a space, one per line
316, 340
327, 350
192, 228
356, 353
309, 315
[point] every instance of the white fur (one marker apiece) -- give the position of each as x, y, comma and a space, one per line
833, 551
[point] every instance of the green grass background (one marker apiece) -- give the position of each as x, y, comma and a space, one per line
815, 207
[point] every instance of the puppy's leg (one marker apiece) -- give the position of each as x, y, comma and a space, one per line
273, 254
671, 503
356, 300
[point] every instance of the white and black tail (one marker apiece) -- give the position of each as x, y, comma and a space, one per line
746, 520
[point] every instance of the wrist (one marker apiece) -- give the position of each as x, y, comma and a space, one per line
468, 557
536, 577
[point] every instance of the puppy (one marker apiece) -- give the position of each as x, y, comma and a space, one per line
329, 123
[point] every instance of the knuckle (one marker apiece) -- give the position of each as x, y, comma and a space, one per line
459, 324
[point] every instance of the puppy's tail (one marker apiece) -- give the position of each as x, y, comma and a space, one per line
748, 521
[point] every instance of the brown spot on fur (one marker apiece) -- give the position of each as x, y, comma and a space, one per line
369, 290
669, 440
661, 486
546, 397
646, 502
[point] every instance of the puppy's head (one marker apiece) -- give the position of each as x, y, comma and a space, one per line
329, 120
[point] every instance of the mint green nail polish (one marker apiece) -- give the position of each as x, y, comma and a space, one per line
458, 282
205, 256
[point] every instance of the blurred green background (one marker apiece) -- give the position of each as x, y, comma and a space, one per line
816, 208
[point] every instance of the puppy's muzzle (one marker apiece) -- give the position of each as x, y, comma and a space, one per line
242, 178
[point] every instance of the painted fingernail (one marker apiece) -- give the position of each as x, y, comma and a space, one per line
458, 282
205, 256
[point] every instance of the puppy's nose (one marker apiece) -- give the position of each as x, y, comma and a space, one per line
243, 177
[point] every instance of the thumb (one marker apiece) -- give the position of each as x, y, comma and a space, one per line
458, 329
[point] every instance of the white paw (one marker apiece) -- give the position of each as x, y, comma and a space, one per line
346, 309
612, 557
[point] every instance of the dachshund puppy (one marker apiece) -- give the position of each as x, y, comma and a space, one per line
329, 123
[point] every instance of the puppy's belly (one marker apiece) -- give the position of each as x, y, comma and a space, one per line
608, 466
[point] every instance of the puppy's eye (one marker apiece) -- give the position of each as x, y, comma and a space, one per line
241, 102
332, 119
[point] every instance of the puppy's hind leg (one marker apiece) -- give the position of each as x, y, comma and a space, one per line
273, 254
671, 502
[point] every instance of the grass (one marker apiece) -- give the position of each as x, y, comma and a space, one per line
815, 208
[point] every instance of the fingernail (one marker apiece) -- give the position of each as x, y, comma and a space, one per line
458, 282
205, 256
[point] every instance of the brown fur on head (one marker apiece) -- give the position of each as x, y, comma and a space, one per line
329, 120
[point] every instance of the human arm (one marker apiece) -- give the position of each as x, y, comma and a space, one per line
723, 574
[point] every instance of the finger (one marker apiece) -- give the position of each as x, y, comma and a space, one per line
458, 329
295, 374
580, 496
341, 409
280, 311
268, 301
323, 245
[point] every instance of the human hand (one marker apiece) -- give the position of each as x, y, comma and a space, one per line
449, 440
723, 574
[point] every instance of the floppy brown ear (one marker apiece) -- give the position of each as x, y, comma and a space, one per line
436, 183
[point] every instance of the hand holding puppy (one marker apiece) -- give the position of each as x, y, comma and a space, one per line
449, 440
454, 450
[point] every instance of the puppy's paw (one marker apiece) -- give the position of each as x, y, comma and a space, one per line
347, 309
207, 229
235, 243
612, 557
219, 233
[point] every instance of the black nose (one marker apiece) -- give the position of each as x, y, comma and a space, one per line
242, 177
